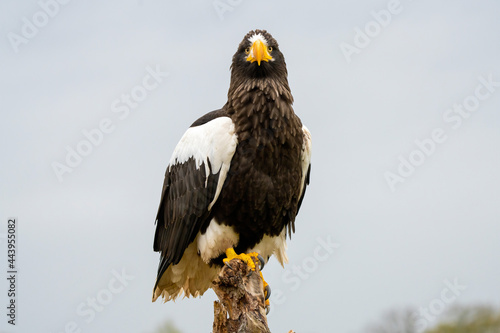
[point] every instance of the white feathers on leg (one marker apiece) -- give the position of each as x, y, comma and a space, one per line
216, 240
191, 277
273, 245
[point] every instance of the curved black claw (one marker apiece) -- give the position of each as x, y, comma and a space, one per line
262, 262
227, 264
250, 273
268, 309
267, 292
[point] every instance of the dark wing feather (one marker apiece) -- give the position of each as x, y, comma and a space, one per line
183, 210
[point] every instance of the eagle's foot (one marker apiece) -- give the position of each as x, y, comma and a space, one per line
262, 263
246, 257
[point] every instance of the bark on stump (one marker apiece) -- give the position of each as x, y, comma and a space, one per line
241, 305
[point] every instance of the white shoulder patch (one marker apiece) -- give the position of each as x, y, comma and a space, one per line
213, 142
306, 154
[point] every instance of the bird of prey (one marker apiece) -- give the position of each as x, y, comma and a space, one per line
236, 179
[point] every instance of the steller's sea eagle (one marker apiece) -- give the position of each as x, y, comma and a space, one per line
236, 179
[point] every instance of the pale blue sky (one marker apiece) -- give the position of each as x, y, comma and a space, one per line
393, 248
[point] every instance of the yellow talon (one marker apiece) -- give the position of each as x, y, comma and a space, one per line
246, 257
267, 289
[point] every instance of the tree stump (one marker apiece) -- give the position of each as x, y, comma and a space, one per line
241, 305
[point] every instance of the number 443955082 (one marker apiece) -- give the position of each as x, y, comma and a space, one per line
11, 244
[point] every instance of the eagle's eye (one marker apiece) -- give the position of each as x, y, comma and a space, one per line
270, 49
247, 50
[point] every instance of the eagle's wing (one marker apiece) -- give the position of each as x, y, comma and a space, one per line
193, 181
306, 163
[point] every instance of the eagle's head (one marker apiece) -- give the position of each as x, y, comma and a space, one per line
258, 56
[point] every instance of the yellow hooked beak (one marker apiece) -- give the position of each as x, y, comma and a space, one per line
258, 52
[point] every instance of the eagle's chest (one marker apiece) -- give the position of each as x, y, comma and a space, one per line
262, 188
269, 139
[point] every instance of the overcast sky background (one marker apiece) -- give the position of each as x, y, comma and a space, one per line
395, 248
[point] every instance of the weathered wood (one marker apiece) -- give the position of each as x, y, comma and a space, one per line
241, 305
